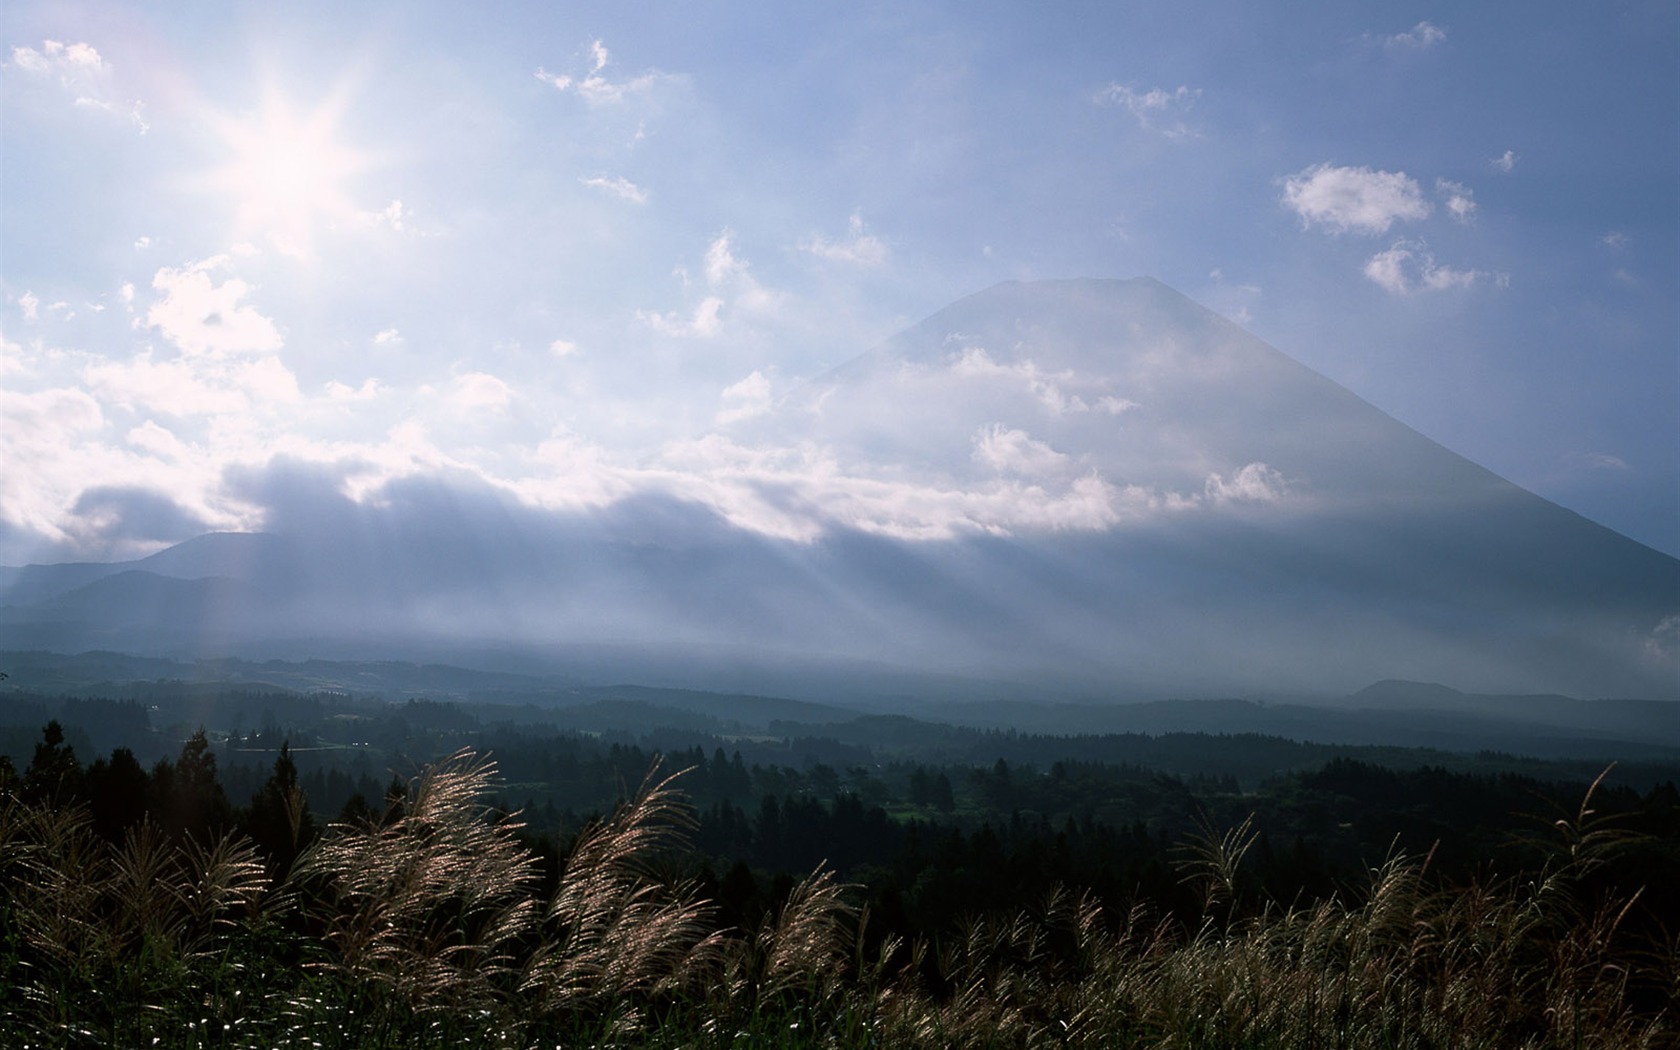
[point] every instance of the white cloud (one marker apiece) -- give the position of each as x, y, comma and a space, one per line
725, 274
620, 187
1663, 642
1615, 240
46, 439
1050, 388
267, 379
562, 348
1354, 198
387, 337
1461, 202
78, 69
743, 400
703, 324
192, 386
168, 387
1504, 162
157, 441
596, 89
480, 391
11, 357
394, 216
857, 247
202, 317
337, 391
1008, 450
1156, 109
721, 263
1115, 406
800, 493
1254, 483
56, 414
1409, 267
1232, 300
30, 304
1420, 37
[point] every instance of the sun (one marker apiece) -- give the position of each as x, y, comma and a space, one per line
286, 172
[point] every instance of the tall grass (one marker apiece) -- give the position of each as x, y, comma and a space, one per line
428, 927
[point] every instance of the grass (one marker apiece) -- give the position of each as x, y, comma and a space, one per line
427, 928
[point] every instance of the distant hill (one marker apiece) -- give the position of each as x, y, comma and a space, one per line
1390, 714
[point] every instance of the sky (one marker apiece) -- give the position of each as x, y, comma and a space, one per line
561, 250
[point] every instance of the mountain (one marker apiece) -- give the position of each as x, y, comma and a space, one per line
1091, 489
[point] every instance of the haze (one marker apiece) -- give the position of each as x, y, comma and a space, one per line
429, 280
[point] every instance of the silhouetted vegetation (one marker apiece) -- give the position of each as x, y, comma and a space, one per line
1082, 902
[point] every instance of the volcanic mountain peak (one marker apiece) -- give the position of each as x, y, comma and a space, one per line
1126, 381
1093, 487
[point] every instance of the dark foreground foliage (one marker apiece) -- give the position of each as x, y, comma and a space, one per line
431, 921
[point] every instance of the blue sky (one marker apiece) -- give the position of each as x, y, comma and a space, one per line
554, 247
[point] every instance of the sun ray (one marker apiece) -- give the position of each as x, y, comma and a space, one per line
286, 171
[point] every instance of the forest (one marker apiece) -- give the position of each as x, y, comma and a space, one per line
322, 870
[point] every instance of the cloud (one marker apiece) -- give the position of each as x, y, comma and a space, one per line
1157, 109
157, 441
1504, 162
1409, 267
1007, 450
202, 317
721, 263
387, 337
802, 493
857, 247
395, 217
479, 392
1664, 640
1420, 37
1615, 240
337, 391
703, 323
1049, 388
619, 187
1461, 202
30, 304
118, 515
77, 68
192, 386
1596, 462
1115, 406
1357, 199
1254, 483
58, 414
46, 440
743, 400
563, 348
1232, 299
725, 273
11, 356
596, 89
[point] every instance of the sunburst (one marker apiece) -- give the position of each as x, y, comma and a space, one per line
287, 172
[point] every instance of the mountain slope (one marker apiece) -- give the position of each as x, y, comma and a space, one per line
1082, 487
